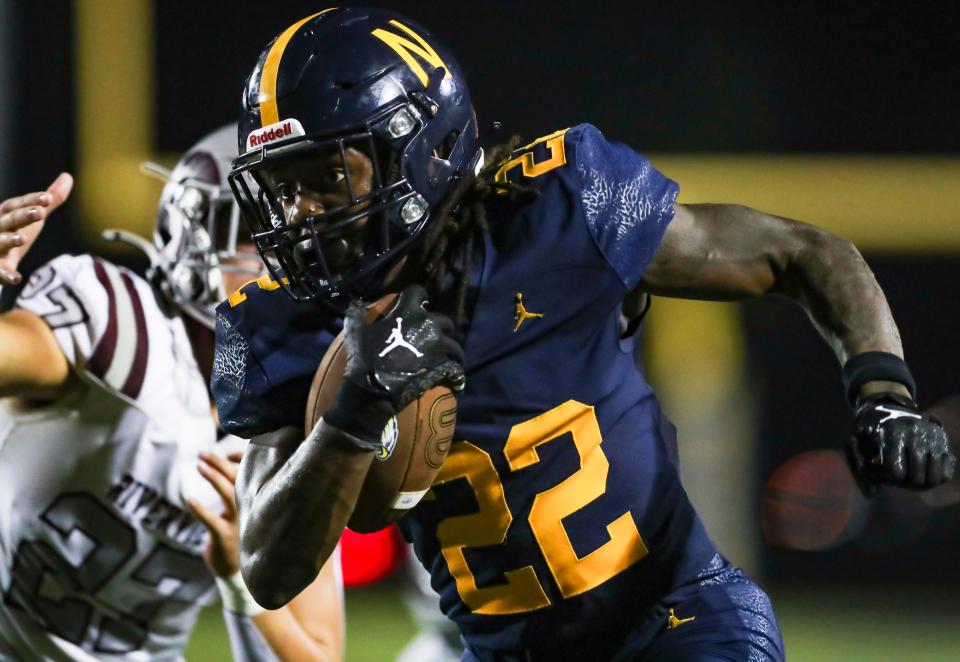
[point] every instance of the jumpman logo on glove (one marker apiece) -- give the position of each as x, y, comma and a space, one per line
395, 339
894, 414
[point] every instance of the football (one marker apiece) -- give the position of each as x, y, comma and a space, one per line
415, 442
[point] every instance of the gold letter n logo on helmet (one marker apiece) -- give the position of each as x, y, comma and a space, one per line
406, 49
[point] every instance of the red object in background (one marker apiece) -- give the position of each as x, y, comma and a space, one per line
809, 502
370, 557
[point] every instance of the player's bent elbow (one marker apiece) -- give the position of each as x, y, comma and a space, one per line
269, 593
828, 251
811, 252
271, 598
273, 583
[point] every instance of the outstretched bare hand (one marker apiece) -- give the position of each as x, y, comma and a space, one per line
22, 218
221, 554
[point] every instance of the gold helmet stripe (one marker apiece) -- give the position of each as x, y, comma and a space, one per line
268, 78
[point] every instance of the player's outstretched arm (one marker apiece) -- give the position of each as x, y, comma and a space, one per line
296, 495
309, 628
31, 362
727, 252
731, 252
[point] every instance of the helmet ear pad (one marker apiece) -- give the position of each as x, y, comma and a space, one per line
446, 144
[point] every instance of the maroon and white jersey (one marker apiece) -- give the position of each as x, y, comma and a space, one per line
99, 558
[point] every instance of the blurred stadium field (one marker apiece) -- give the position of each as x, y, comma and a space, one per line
819, 625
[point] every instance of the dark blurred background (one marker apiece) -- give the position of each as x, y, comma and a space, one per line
842, 114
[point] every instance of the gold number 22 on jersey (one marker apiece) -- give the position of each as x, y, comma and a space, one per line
574, 574
264, 283
530, 168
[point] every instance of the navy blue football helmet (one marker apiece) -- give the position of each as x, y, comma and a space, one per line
350, 81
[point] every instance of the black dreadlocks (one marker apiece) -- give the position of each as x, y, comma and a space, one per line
460, 219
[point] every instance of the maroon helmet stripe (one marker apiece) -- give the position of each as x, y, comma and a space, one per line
103, 355
131, 387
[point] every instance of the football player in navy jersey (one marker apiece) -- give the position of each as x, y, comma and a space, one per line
557, 526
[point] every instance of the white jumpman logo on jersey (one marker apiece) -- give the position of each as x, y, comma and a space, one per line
396, 340
893, 414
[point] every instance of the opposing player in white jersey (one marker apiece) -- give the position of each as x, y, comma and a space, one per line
106, 419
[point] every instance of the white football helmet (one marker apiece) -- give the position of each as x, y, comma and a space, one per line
197, 228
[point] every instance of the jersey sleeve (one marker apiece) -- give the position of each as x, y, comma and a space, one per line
97, 317
268, 348
627, 203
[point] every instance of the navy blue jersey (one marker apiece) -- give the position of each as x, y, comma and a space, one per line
268, 348
558, 517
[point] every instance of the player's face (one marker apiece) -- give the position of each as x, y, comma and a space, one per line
310, 186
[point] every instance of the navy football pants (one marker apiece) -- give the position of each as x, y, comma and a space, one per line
721, 617
732, 620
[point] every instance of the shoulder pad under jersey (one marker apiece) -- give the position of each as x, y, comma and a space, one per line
268, 348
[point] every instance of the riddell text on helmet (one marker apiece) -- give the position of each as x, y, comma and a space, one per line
274, 132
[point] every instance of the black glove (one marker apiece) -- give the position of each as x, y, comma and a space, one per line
391, 362
894, 443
